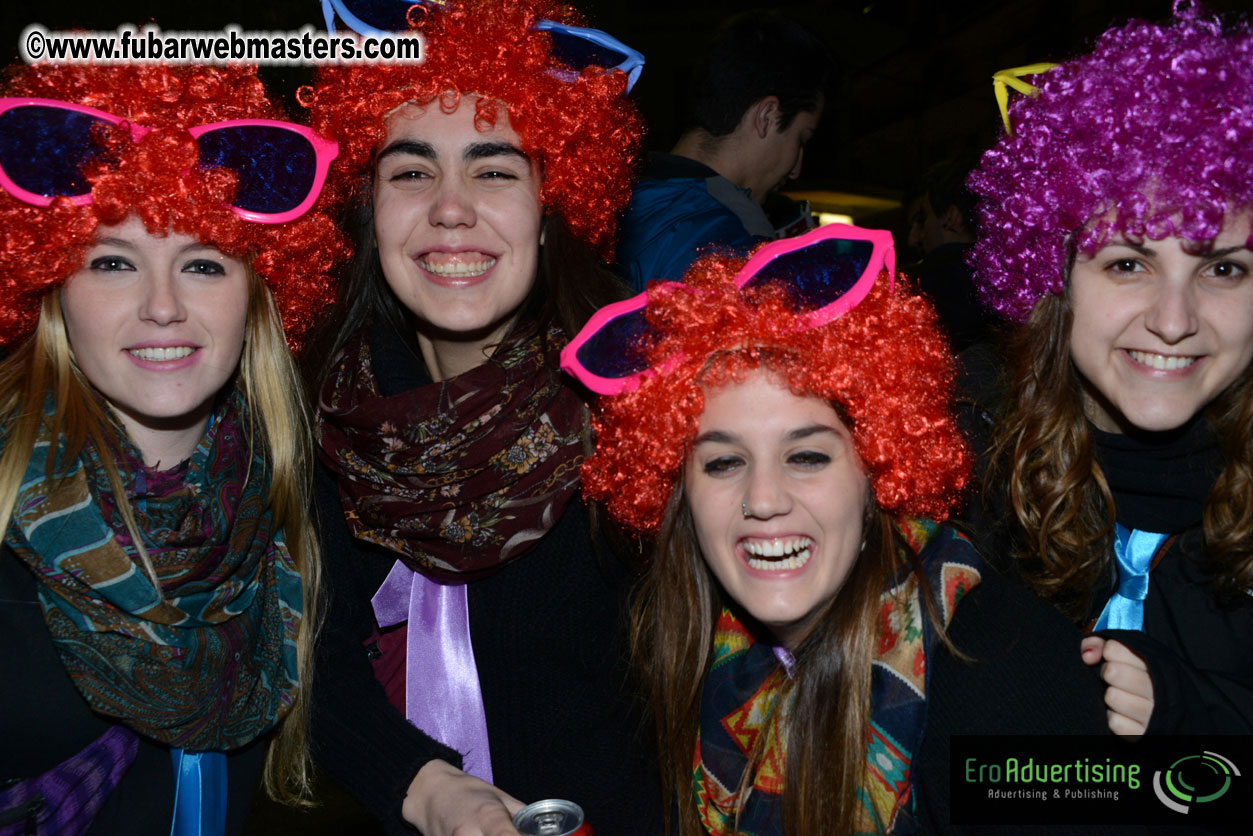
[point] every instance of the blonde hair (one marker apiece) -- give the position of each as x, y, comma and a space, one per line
44, 365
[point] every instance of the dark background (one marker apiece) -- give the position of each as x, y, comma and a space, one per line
915, 88
915, 84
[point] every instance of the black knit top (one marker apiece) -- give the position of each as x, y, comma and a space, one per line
548, 632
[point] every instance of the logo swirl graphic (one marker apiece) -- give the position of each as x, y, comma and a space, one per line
1194, 779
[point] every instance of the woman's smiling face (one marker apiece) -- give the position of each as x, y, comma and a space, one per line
457, 220
157, 326
778, 496
1158, 332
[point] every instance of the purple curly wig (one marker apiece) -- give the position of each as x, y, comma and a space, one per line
1148, 136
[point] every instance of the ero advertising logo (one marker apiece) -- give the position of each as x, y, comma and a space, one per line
1194, 779
1198, 782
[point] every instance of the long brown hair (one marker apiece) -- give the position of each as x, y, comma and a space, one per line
1061, 509
672, 627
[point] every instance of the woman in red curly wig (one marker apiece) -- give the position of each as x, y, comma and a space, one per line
781, 432
472, 658
162, 227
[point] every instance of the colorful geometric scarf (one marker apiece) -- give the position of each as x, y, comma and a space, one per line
747, 695
207, 658
457, 477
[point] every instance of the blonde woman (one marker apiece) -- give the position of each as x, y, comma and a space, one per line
159, 572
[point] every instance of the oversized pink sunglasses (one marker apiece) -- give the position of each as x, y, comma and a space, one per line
826, 273
45, 144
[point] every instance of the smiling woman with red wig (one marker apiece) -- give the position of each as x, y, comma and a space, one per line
779, 433
788, 467
473, 651
159, 570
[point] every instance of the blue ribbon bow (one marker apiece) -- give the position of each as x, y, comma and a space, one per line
1133, 550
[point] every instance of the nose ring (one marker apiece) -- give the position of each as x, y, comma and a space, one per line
744, 510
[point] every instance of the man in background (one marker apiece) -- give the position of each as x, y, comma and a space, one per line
941, 227
757, 97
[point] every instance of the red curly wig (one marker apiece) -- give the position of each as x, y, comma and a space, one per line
157, 179
885, 363
583, 132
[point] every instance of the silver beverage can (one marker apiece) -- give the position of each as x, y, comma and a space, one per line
551, 817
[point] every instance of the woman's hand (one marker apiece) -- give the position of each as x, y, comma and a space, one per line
1129, 695
444, 801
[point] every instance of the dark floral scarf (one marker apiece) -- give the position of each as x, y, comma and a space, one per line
746, 695
457, 477
208, 660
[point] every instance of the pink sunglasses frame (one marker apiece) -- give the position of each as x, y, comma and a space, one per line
882, 257
325, 151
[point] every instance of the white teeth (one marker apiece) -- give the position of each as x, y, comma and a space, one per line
1161, 362
783, 553
796, 561
777, 547
160, 355
458, 269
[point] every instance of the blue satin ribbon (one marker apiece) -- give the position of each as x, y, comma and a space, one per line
1133, 551
199, 793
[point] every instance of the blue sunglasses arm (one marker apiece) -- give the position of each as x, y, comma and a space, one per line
632, 65
350, 20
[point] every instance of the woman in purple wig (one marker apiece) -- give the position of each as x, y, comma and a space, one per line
1115, 227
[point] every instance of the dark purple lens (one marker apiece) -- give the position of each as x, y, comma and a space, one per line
43, 149
618, 349
819, 274
276, 166
580, 53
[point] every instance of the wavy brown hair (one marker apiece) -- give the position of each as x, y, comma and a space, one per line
1061, 510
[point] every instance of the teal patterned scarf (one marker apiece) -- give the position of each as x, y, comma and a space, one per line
208, 661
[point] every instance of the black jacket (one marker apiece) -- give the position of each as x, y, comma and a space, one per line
548, 632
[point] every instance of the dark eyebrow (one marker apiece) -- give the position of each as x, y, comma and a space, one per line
806, 432
476, 151
1140, 248
412, 147
714, 437
1225, 251
482, 150
721, 437
1146, 251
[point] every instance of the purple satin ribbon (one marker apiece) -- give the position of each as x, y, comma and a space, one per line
786, 659
442, 693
